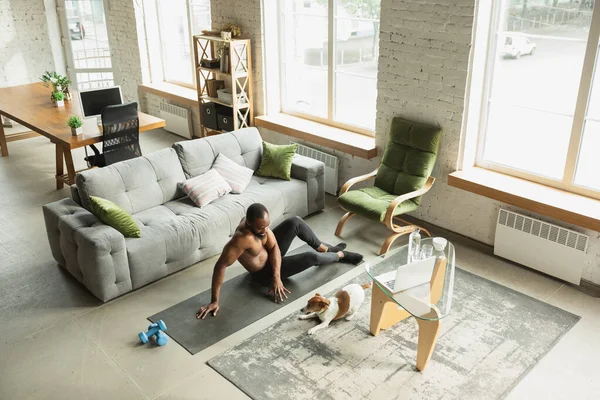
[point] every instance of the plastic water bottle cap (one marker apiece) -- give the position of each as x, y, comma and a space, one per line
439, 243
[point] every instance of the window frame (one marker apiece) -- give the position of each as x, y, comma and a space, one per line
592, 52
331, 49
162, 56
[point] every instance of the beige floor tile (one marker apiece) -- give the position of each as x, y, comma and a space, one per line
206, 385
61, 363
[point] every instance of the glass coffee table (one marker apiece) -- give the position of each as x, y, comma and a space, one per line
422, 289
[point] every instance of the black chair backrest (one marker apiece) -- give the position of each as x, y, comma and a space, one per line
120, 133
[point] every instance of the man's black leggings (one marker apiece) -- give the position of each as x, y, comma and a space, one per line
285, 233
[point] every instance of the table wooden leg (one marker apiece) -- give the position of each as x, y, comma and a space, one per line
59, 167
428, 333
70, 166
3, 146
385, 313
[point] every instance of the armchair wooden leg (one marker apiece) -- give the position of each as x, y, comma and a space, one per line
343, 220
425, 231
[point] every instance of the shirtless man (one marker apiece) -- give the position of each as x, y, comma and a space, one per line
262, 252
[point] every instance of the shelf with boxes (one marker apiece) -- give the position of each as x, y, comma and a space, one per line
224, 76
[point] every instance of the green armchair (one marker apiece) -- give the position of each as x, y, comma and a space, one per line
401, 179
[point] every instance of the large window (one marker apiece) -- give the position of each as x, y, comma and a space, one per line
541, 113
178, 21
328, 52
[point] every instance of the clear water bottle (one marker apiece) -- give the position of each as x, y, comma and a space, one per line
414, 246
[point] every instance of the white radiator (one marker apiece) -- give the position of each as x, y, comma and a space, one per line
331, 166
178, 119
536, 244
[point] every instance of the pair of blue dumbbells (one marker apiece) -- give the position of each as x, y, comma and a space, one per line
156, 329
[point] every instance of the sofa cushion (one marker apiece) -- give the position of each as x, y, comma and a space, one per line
134, 185
113, 215
205, 188
237, 176
243, 146
373, 202
276, 160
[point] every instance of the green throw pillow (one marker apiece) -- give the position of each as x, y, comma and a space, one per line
277, 160
113, 215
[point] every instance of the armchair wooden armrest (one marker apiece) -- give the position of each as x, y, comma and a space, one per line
355, 180
389, 214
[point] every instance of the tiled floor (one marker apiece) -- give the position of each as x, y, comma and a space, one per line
59, 342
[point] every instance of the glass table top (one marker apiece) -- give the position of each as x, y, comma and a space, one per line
423, 287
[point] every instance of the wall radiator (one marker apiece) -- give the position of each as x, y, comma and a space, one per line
331, 166
178, 119
536, 244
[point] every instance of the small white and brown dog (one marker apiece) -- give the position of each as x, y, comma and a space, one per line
344, 304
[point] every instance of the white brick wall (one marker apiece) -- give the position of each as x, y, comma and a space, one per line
25, 48
123, 18
248, 17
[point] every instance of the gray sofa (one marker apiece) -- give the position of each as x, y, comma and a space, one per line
175, 233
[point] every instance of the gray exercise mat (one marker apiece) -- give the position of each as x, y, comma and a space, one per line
242, 303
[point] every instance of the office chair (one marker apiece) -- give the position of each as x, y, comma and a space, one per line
120, 136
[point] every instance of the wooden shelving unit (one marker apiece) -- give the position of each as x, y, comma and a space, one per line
238, 78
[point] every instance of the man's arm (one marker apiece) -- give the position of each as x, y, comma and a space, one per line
231, 252
272, 247
274, 254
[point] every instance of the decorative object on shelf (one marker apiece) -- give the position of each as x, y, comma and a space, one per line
235, 30
236, 109
225, 35
225, 95
210, 63
211, 33
213, 86
76, 125
58, 98
58, 82
224, 57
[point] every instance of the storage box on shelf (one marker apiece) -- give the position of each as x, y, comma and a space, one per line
234, 111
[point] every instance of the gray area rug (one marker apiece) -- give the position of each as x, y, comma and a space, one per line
492, 338
242, 302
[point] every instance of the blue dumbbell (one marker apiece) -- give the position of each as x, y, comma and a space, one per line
157, 330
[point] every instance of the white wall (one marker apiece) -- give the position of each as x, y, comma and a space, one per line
27, 43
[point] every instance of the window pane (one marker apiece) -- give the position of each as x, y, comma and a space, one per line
528, 140
95, 80
535, 78
87, 33
588, 164
304, 54
357, 45
175, 41
200, 10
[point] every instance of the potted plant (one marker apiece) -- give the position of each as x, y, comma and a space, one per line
75, 123
58, 82
64, 83
58, 98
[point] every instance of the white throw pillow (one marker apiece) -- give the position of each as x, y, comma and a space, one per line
205, 188
236, 175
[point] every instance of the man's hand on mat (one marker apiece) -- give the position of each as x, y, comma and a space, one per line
205, 310
278, 290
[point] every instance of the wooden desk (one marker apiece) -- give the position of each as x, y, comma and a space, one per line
30, 106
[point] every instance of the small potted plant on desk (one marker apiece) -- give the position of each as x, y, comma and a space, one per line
76, 125
58, 98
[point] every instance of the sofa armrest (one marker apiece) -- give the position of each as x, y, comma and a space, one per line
313, 173
94, 253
